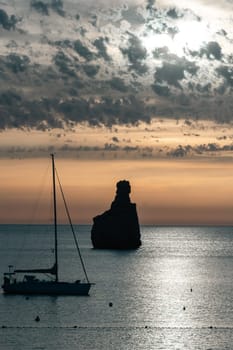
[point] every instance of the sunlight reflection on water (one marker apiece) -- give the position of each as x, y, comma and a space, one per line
173, 293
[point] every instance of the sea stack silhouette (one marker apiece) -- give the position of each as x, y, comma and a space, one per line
118, 227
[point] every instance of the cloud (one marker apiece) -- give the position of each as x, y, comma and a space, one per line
43, 7
205, 88
183, 151
102, 51
40, 6
57, 5
136, 54
43, 114
83, 51
174, 73
87, 64
64, 63
161, 90
180, 151
132, 16
227, 73
7, 22
17, 63
118, 84
222, 32
90, 69
212, 50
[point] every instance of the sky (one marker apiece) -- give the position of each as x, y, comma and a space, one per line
138, 90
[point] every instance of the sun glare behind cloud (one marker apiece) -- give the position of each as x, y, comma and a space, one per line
191, 35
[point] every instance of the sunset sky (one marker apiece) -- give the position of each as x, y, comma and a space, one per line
138, 90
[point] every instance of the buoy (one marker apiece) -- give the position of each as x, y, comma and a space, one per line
37, 319
191, 289
110, 304
184, 308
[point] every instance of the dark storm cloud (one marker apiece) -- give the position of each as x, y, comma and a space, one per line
174, 73
150, 6
19, 112
64, 44
40, 6
101, 47
173, 13
9, 98
7, 22
136, 54
57, 5
83, 51
71, 67
64, 63
227, 73
16, 63
118, 84
212, 50
205, 88
91, 70
161, 90
150, 3
43, 7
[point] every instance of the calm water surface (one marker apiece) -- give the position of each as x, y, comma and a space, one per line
175, 292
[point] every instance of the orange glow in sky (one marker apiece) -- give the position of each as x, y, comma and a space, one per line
166, 192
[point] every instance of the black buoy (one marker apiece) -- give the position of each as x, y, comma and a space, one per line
184, 308
37, 319
110, 304
191, 289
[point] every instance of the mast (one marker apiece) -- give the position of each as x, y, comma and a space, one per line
55, 216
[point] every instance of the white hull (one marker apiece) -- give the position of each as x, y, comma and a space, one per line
48, 288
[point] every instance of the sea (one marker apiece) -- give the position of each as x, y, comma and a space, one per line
173, 293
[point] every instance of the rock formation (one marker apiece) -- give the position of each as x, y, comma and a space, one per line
118, 227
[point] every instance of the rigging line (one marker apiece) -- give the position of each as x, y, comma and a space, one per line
24, 243
40, 190
71, 225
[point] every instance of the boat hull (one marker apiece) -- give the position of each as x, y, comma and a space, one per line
47, 288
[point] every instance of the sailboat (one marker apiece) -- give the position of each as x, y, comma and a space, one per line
30, 283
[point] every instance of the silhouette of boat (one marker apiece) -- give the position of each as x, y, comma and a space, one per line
30, 283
